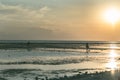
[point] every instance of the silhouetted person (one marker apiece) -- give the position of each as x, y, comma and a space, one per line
87, 47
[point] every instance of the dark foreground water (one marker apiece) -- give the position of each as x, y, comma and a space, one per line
20, 64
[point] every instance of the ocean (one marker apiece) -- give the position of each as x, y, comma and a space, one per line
56, 59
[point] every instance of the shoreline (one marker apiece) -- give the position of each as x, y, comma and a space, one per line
102, 75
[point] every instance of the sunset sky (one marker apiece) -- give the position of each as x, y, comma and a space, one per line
58, 20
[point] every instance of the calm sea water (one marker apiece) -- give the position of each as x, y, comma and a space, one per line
58, 61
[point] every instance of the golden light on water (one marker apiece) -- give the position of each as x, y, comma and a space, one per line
112, 64
112, 54
113, 46
112, 15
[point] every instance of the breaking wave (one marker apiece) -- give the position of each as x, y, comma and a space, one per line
53, 61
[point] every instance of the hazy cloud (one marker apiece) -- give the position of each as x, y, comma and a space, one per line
16, 13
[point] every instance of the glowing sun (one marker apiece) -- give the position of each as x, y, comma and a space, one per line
112, 15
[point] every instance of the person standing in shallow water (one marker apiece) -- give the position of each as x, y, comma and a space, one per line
87, 48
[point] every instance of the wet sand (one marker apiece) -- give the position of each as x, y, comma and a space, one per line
104, 75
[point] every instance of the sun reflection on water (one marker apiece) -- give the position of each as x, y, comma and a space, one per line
112, 64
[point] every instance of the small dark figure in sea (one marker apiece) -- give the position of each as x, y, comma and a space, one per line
86, 72
87, 48
80, 72
87, 45
96, 72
